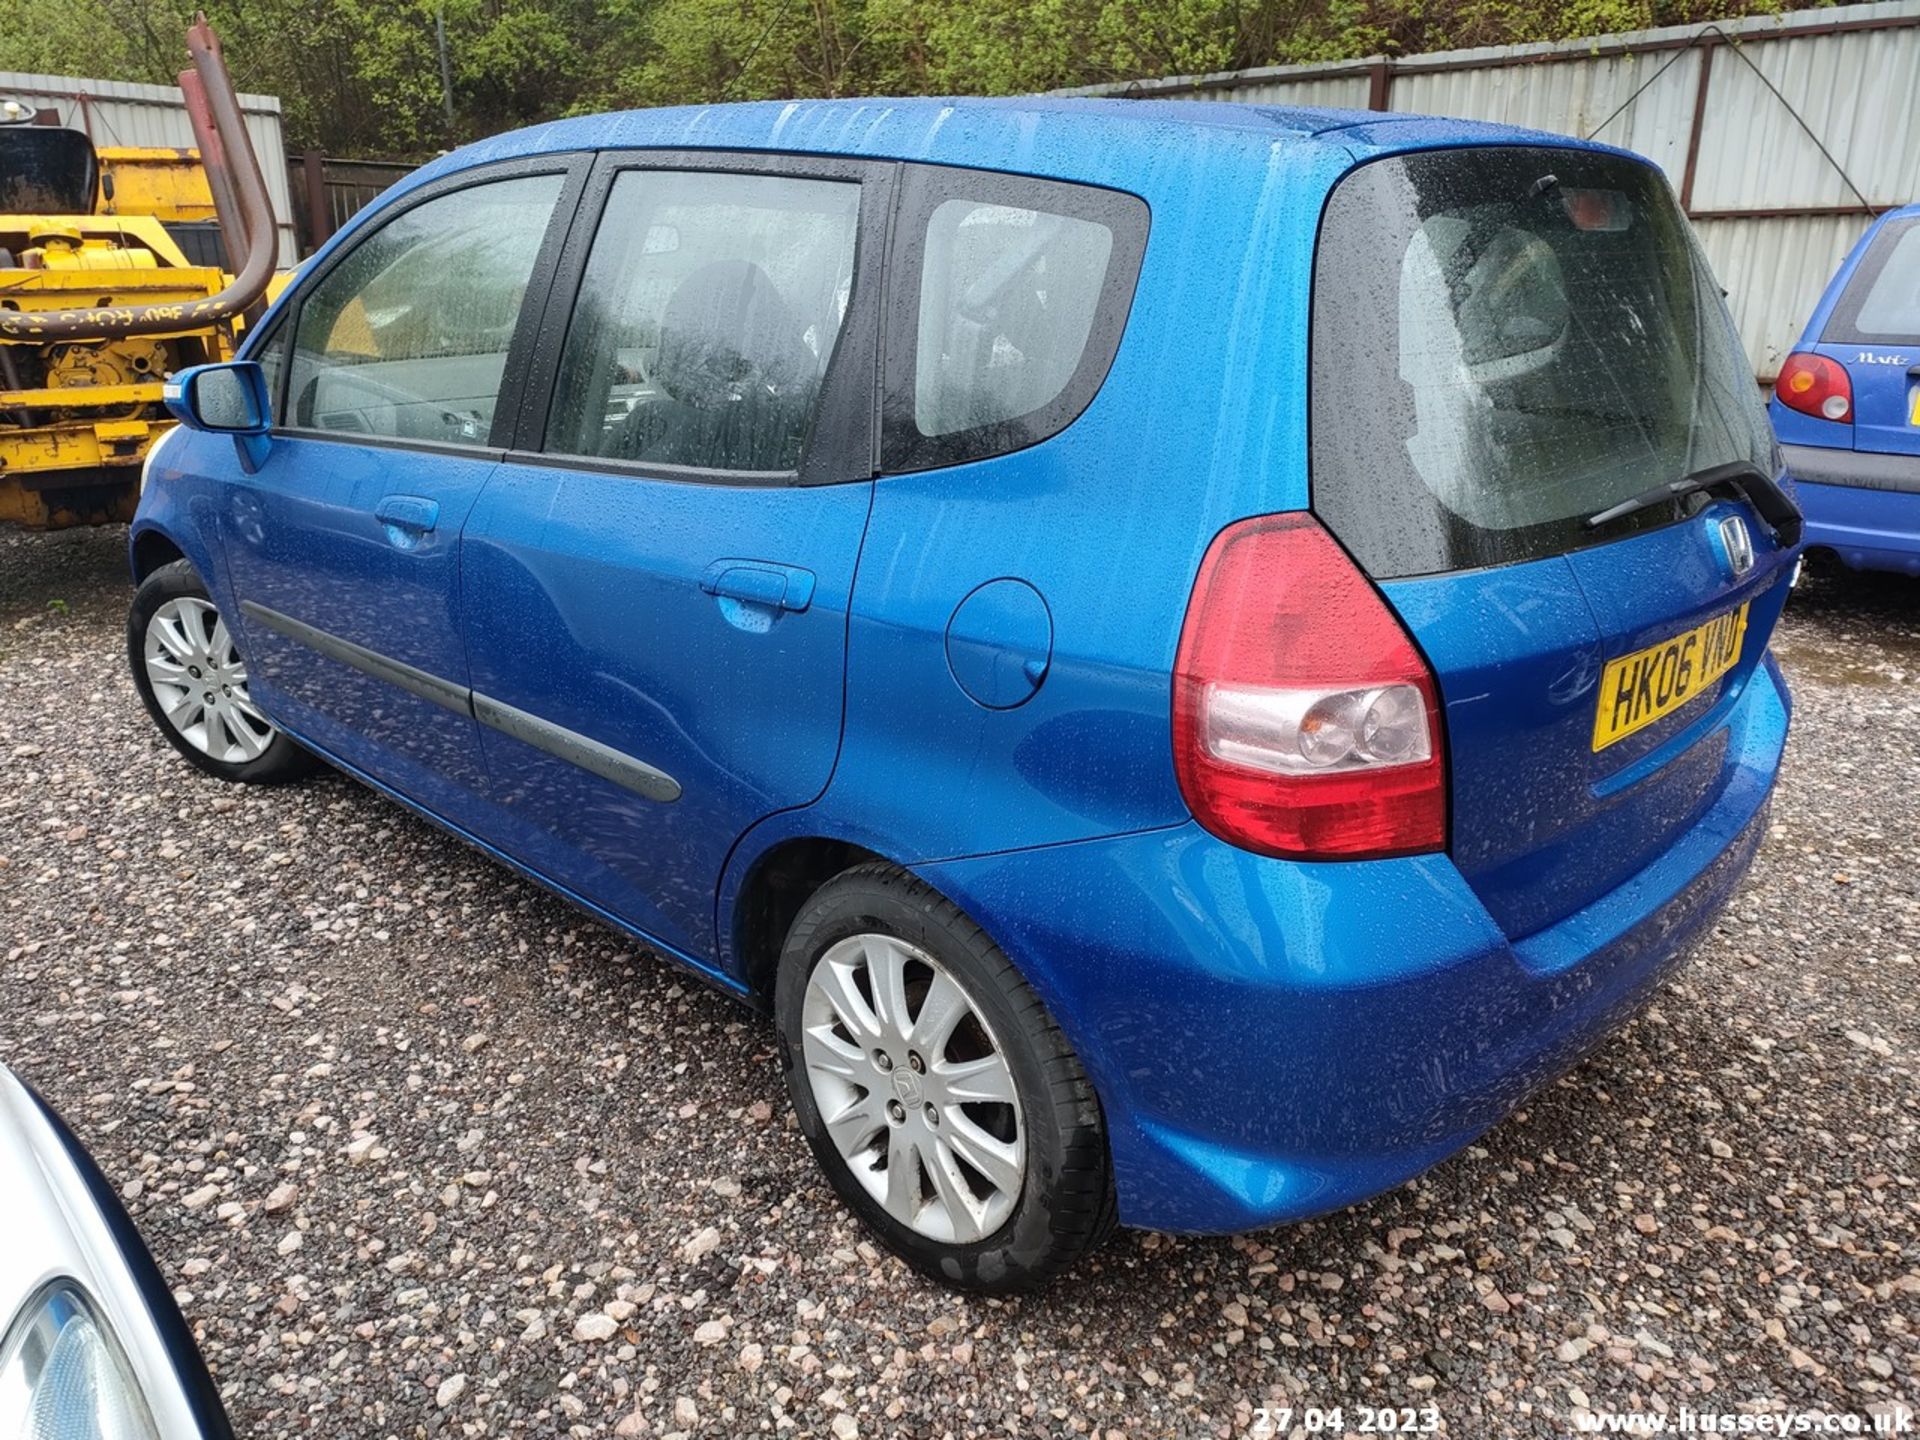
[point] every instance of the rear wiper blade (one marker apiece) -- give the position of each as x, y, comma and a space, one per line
1742, 478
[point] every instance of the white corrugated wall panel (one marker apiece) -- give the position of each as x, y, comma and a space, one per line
1774, 270
1329, 87
1332, 92
1859, 92
1572, 97
118, 113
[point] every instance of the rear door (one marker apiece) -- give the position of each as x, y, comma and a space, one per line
1875, 332
1507, 342
657, 579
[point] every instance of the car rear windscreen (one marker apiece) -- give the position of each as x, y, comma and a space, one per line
1881, 304
1505, 342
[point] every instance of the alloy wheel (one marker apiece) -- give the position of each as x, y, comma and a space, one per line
200, 682
913, 1088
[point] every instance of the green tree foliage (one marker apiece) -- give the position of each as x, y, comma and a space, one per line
362, 77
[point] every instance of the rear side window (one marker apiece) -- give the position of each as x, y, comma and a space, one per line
706, 320
407, 336
1505, 342
1015, 294
1882, 301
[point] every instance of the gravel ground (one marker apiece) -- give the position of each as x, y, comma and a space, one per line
426, 1152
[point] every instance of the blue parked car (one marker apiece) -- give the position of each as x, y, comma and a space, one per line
1846, 404
1190, 655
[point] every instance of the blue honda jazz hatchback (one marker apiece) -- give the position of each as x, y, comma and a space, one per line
1846, 405
1189, 655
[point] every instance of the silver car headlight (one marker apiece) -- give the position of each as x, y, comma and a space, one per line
92, 1346
63, 1375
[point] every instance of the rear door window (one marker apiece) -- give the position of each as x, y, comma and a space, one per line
1505, 342
1882, 301
707, 318
1013, 296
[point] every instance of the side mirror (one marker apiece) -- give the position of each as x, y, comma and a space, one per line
228, 399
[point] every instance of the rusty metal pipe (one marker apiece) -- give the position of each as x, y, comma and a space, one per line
213, 164
256, 213
217, 166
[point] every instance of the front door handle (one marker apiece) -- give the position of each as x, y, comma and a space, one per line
407, 518
760, 582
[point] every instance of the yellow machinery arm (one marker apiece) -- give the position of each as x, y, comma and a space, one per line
96, 309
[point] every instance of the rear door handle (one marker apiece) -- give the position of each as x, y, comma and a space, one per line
760, 582
414, 513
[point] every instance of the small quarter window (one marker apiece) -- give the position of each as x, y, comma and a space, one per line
1006, 305
1023, 288
407, 337
272, 360
707, 317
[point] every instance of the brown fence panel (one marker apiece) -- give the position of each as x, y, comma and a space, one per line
327, 192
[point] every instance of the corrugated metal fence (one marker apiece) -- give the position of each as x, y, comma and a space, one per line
1774, 213
116, 113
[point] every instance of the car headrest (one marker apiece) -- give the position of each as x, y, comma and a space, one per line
728, 335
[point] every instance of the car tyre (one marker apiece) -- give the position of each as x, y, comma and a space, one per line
984, 1165
187, 667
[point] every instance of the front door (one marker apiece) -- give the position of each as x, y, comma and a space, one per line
343, 549
658, 579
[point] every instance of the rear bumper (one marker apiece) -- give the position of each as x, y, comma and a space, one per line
1862, 505
1273, 1040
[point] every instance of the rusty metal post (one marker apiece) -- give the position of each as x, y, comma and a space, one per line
313, 166
1699, 123
1380, 85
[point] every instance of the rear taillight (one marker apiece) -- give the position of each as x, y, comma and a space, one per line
1305, 724
1817, 386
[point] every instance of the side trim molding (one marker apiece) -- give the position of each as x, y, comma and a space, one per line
556, 740
576, 749
429, 687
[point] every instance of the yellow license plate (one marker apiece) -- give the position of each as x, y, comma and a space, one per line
1638, 689
1916, 407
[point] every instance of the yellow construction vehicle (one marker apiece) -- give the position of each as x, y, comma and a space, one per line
101, 299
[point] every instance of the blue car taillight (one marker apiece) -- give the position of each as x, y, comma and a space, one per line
1305, 722
1815, 385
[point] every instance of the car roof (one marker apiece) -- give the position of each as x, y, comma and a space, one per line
1047, 135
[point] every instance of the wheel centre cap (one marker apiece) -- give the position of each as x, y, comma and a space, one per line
906, 1086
